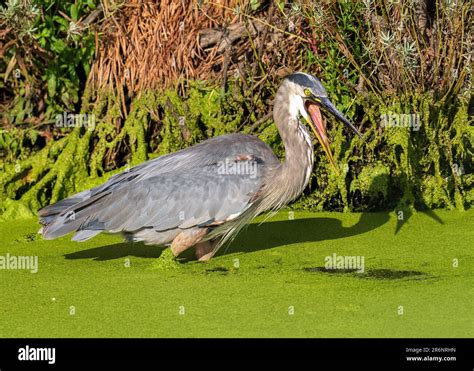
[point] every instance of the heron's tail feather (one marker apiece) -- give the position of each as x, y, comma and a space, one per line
84, 235
48, 213
75, 213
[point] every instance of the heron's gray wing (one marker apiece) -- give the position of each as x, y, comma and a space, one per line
180, 190
179, 201
163, 202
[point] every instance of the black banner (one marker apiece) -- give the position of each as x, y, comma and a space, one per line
408, 353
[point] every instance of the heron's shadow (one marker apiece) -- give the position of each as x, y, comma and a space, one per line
254, 237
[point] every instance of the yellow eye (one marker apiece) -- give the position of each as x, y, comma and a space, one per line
307, 92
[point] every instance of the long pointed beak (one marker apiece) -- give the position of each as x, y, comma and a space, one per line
328, 106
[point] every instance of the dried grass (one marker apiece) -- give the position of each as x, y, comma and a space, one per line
154, 45
149, 45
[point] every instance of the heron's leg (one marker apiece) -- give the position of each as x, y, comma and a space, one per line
206, 250
186, 239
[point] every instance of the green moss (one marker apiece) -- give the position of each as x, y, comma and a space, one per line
132, 290
390, 168
15, 210
416, 167
166, 261
372, 181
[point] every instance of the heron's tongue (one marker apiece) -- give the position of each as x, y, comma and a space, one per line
319, 129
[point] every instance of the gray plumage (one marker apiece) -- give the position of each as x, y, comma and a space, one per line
218, 185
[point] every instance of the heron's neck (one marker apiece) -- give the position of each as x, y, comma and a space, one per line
293, 176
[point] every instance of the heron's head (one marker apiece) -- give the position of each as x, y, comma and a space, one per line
308, 97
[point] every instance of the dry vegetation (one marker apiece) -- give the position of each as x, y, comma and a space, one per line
156, 45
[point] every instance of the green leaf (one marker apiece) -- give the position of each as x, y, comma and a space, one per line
33, 134
87, 68
45, 32
51, 84
254, 4
63, 22
58, 45
13, 146
74, 12
281, 5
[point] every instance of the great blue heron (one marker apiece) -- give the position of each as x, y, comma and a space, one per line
203, 195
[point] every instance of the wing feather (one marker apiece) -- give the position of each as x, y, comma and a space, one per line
179, 190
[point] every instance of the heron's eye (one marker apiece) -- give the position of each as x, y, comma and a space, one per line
307, 92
